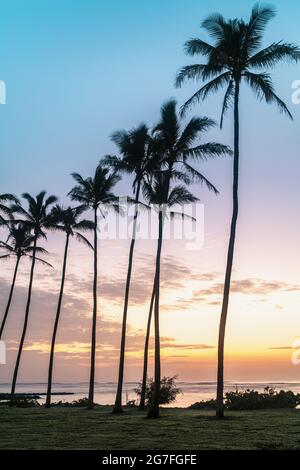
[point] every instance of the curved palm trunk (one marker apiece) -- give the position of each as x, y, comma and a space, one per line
50, 370
118, 402
15, 376
146, 351
94, 325
153, 412
222, 327
10, 297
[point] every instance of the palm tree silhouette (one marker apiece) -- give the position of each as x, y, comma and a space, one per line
18, 244
175, 147
136, 158
146, 351
159, 193
95, 193
4, 209
66, 220
36, 219
234, 57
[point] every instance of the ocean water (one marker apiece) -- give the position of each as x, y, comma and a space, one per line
191, 392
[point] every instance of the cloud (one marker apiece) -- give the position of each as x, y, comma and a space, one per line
247, 286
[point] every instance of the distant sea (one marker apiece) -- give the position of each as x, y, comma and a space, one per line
105, 392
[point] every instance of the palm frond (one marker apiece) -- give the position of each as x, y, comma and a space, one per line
196, 176
210, 87
84, 225
207, 151
197, 72
215, 25
197, 46
42, 261
275, 53
263, 87
193, 129
180, 195
260, 17
82, 239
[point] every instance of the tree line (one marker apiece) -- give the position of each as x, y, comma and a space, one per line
163, 162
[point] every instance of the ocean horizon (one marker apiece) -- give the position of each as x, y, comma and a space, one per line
191, 392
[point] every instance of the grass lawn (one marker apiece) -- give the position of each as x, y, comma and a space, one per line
69, 428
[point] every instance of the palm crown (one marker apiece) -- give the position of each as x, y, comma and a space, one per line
136, 149
236, 54
155, 192
37, 217
95, 191
176, 146
20, 243
4, 209
67, 220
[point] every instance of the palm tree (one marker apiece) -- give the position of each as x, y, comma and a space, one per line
18, 244
158, 192
65, 220
36, 219
176, 146
235, 56
136, 158
4, 198
146, 352
95, 192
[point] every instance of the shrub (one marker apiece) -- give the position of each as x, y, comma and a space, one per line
253, 400
168, 390
21, 403
203, 405
81, 403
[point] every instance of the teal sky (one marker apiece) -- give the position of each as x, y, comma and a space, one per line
76, 71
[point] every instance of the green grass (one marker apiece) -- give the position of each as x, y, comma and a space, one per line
67, 428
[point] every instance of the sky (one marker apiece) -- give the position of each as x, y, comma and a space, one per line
74, 73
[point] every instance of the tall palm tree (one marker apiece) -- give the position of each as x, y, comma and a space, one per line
177, 147
18, 244
4, 209
94, 193
36, 219
146, 351
158, 192
137, 159
234, 57
66, 220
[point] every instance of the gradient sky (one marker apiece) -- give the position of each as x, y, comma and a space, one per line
75, 72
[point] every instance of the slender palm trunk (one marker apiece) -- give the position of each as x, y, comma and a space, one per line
15, 376
50, 370
222, 327
10, 297
94, 325
153, 412
146, 351
118, 402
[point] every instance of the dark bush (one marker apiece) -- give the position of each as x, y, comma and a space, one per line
203, 405
168, 390
81, 403
21, 403
253, 400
